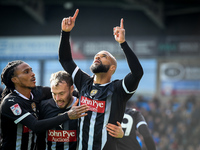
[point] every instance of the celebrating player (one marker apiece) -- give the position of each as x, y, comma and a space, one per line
107, 99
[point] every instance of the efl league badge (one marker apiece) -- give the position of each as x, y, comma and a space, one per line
93, 92
16, 109
33, 105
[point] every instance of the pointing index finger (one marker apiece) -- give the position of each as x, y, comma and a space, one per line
75, 14
122, 24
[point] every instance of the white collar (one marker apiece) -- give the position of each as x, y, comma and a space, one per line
102, 84
21, 95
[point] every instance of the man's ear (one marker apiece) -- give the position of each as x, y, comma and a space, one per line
72, 88
14, 79
113, 68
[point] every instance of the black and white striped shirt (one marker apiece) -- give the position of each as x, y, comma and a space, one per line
107, 102
61, 137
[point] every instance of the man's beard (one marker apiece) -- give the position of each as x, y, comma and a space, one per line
31, 87
69, 98
99, 68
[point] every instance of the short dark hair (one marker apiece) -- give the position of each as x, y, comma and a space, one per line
60, 76
7, 74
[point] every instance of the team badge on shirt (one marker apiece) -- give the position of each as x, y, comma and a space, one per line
33, 105
16, 109
93, 92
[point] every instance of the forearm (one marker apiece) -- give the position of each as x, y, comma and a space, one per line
133, 78
133, 62
45, 124
150, 145
148, 140
65, 55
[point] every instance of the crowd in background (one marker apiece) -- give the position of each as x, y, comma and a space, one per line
174, 125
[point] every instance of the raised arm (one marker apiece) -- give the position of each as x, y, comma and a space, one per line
131, 80
65, 56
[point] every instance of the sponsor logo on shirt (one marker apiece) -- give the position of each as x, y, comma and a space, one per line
62, 135
26, 129
33, 105
16, 109
95, 105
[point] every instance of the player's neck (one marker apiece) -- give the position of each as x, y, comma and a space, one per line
70, 102
101, 78
24, 91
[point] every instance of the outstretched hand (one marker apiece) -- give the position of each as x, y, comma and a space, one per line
119, 32
68, 23
114, 130
77, 111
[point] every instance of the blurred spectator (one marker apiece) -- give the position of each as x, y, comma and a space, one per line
175, 124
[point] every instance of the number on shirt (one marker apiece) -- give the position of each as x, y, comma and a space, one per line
127, 125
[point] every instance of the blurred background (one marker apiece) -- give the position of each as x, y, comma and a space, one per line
164, 34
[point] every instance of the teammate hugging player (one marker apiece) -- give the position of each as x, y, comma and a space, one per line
19, 108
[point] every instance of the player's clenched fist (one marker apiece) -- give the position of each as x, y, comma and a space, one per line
68, 23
